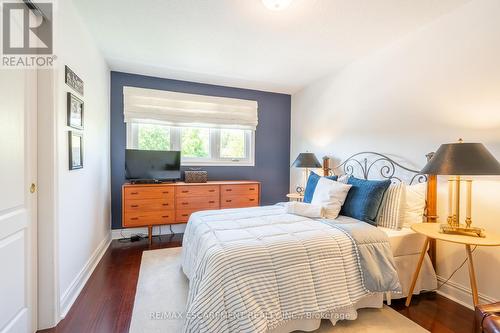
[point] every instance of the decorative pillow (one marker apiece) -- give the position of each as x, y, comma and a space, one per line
391, 212
330, 195
343, 179
414, 204
312, 181
304, 209
364, 199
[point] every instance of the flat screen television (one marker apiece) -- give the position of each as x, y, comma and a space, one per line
152, 165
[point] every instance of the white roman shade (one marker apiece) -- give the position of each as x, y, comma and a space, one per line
179, 109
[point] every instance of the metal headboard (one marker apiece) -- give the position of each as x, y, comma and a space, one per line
366, 164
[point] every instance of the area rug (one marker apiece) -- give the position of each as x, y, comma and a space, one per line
162, 289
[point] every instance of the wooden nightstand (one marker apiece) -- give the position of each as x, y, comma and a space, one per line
295, 197
431, 231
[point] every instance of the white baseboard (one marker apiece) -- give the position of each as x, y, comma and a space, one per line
157, 230
461, 294
76, 286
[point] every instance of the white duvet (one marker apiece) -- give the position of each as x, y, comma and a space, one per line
251, 270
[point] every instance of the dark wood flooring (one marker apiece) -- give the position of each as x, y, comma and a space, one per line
105, 304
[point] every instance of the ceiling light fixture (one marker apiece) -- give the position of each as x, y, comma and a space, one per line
277, 4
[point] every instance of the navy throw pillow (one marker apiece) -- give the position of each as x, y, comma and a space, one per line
312, 181
364, 199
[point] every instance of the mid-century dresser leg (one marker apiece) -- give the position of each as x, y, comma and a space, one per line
150, 234
472, 276
417, 271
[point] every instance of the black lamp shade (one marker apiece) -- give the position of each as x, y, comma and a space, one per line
306, 160
468, 159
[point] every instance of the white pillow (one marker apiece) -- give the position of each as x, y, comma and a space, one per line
414, 204
330, 195
392, 210
343, 179
304, 209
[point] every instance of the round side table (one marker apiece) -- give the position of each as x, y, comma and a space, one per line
431, 231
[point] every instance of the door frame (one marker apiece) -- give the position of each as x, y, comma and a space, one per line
48, 240
31, 135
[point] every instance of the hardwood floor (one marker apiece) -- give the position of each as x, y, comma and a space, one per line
437, 313
105, 304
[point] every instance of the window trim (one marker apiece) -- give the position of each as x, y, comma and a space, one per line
214, 147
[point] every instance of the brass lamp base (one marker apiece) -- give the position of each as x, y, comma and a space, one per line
462, 230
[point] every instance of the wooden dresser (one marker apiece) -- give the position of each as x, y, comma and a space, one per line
171, 203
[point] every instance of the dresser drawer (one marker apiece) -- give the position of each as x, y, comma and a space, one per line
241, 201
239, 189
144, 205
182, 215
149, 192
197, 190
197, 202
133, 219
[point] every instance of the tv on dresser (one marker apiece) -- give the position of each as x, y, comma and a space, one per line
152, 166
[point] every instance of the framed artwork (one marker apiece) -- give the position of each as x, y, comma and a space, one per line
75, 144
75, 111
73, 80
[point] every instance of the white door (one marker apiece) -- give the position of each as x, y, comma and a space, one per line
17, 202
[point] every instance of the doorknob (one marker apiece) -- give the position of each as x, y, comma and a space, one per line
32, 188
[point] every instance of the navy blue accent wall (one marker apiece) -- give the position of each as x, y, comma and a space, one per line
272, 138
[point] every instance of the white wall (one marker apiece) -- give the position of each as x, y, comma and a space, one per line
433, 86
82, 197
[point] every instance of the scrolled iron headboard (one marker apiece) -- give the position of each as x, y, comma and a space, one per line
366, 164
387, 167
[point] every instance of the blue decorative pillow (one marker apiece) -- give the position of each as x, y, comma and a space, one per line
312, 181
364, 199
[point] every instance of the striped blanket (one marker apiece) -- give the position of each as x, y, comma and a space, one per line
252, 270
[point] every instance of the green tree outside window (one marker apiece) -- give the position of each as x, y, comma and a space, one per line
153, 137
232, 143
195, 142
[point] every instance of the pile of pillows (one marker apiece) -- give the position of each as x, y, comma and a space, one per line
377, 202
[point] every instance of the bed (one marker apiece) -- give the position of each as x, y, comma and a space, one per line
264, 270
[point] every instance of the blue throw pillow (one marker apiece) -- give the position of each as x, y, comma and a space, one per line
364, 199
312, 181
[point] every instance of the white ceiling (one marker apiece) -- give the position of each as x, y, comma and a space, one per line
241, 43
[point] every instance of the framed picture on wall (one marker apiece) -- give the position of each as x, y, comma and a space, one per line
75, 145
75, 111
73, 80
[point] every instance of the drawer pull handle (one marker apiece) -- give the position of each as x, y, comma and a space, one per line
251, 189
211, 201
185, 191
185, 203
165, 192
134, 206
184, 214
166, 204
211, 190
134, 218
252, 199
229, 200
134, 193
229, 189
165, 216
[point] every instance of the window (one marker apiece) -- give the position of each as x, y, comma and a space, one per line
198, 146
232, 143
153, 137
195, 142
208, 130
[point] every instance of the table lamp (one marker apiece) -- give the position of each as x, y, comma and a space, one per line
461, 159
306, 161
